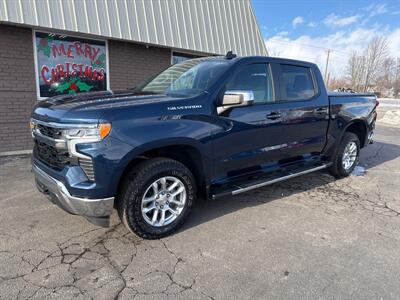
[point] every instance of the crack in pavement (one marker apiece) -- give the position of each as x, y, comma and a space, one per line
85, 259
115, 264
41, 280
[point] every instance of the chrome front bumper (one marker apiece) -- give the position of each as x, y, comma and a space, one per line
97, 211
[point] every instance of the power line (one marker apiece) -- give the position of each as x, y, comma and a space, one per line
308, 45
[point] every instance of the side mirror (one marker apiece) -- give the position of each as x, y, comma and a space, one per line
232, 99
236, 98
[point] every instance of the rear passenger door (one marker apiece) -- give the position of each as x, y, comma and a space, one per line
304, 111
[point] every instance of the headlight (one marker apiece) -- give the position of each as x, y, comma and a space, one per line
32, 126
93, 134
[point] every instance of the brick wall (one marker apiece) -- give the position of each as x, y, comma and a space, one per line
130, 64
17, 87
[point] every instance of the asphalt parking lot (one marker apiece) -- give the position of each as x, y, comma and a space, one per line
310, 237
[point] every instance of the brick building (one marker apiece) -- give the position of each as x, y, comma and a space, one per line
49, 48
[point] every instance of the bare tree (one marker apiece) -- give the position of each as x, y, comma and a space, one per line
396, 83
356, 71
375, 55
374, 68
337, 83
387, 73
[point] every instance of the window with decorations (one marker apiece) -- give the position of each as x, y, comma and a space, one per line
69, 65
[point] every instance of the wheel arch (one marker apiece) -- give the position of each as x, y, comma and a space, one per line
359, 128
186, 153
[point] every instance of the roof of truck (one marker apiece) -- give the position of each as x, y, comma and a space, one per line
271, 59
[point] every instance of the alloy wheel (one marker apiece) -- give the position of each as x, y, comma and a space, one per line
349, 155
163, 201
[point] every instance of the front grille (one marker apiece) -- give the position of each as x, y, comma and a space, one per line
87, 166
52, 132
51, 156
51, 148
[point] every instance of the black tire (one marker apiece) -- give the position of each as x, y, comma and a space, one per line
337, 169
129, 202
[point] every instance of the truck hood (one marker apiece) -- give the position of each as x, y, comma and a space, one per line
89, 107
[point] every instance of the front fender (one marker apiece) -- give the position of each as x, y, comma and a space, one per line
142, 149
153, 133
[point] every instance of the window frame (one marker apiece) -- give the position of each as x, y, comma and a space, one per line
188, 55
271, 73
282, 90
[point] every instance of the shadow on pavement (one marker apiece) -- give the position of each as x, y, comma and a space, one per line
207, 210
378, 153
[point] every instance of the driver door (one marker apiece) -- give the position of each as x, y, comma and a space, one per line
251, 139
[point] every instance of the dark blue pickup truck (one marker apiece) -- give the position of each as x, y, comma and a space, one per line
214, 126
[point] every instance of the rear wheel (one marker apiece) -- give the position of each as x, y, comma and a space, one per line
347, 155
156, 197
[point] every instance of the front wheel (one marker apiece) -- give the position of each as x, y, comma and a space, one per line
346, 157
156, 198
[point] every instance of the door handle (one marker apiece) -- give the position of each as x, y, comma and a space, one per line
273, 115
321, 110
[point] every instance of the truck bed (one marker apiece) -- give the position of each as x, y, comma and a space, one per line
344, 94
351, 100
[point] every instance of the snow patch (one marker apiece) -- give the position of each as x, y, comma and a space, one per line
391, 117
358, 171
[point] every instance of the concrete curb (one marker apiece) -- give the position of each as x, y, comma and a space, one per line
18, 152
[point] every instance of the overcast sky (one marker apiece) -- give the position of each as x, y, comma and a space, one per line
306, 29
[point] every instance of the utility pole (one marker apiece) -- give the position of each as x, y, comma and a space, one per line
327, 80
326, 65
397, 79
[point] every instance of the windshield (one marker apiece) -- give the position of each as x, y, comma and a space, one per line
187, 78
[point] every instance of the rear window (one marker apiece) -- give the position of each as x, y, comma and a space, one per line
297, 83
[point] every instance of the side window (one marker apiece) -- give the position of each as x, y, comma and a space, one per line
297, 83
255, 78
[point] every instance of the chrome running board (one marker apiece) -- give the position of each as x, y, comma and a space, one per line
238, 189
